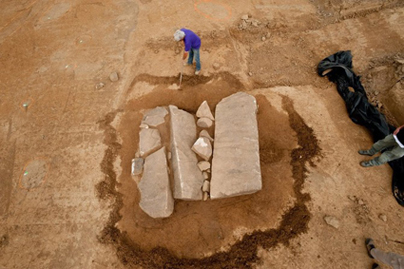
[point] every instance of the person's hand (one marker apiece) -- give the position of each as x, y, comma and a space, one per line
398, 130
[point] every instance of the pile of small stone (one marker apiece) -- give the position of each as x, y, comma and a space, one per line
246, 21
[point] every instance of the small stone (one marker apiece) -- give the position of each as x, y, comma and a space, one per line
244, 17
369, 76
379, 105
376, 93
361, 202
250, 74
263, 38
206, 186
203, 148
205, 175
205, 196
205, 133
99, 86
204, 123
203, 165
243, 25
137, 166
255, 23
204, 111
332, 221
383, 217
144, 126
216, 66
114, 76
352, 198
169, 155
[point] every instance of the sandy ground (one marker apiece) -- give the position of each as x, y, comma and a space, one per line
67, 199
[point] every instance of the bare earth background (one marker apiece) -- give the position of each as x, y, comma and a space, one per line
67, 199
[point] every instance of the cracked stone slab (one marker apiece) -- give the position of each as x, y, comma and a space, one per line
188, 179
149, 141
155, 116
236, 162
156, 196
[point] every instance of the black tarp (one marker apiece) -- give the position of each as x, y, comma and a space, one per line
338, 69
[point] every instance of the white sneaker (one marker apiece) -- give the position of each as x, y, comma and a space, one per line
197, 72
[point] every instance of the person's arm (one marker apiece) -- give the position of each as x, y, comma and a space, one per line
398, 129
185, 55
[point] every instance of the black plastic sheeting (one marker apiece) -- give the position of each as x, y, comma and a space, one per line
338, 69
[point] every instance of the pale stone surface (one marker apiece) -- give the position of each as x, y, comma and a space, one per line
188, 178
205, 133
236, 162
205, 175
155, 116
204, 111
137, 166
205, 196
203, 165
203, 148
206, 186
156, 197
332, 221
204, 123
114, 76
150, 140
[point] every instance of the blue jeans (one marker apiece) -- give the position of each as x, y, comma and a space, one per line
192, 53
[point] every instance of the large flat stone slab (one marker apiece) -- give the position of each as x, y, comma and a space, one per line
236, 162
156, 196
188, 179
155, 116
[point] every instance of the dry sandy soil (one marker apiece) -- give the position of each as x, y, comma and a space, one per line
67, 199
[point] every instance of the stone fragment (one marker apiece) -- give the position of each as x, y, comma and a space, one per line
99, 86
216, 66
206, 186
203, 148
244, 17
137, 166
204, 123
188, 179
205, 175
332, 221
205, 133
236, 161
205, 196
169, 155
204, 111
263, 38
250, 74
143, 126
203, 165
383, 217
156, 197
155, 116
150, 140
114, 77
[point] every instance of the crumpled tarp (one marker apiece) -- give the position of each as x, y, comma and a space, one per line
338, 69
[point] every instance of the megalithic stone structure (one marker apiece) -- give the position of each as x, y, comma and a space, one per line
155, 193
236, 161
188, 179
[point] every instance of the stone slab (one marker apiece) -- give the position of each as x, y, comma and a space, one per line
149, 141
155, 116
236, 162
156, 196
137, 166
188, 179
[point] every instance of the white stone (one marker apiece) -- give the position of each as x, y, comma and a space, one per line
204, 122
114, 76
155, 116
203, 165
244, 17
205, 133
236, 161
188, 179
203, 148
383, 217
332, 221
137, 166
205, 196
204, 111
149, 141
99, 86
205, 175
156, 198
206, 186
